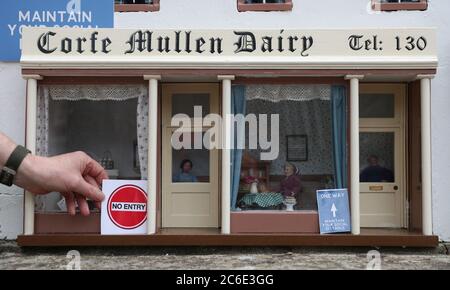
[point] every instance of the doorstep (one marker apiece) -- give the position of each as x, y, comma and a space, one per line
185, 237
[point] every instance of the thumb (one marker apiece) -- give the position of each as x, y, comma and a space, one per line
88, 190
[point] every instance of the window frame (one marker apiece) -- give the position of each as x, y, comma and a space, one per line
155, 6
264, 7
422, 5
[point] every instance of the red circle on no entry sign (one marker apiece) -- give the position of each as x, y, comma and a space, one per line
127, 207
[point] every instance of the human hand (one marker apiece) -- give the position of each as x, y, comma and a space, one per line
75, 175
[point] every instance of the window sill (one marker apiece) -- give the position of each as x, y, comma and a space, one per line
265, 7
421, 6
136, 7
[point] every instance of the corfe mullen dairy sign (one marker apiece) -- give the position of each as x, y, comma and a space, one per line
146, 45
181, 41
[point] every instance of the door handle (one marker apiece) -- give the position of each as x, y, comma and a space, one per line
395, 187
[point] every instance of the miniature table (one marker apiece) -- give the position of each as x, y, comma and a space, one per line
266, 199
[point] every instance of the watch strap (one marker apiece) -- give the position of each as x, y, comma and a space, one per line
16, 157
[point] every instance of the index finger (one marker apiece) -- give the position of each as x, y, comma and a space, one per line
96, 171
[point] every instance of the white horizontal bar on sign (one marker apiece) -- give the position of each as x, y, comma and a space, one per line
128, 206
422, 62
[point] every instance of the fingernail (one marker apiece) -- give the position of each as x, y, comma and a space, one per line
101, 195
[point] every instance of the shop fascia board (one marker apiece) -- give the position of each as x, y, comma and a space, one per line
236, 63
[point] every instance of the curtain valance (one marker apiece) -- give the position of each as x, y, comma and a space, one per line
94, 92
278, 93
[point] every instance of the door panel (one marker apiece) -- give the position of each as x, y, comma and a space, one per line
381, 180
192, 202
382, 160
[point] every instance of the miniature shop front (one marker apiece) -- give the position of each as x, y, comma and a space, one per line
109, 122
344, 127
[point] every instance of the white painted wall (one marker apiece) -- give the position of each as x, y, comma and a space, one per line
12, 123
208, 14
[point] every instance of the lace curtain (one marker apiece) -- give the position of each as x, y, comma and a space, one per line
94, 93
42, 123
142, 132
278, 93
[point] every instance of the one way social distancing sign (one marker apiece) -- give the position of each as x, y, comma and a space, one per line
124, 210
334, 212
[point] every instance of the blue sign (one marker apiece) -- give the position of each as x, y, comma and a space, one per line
17, 14
334, 212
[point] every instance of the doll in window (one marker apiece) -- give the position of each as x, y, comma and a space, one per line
185, 174
290, 186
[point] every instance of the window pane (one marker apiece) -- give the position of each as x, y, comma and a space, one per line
377, 106
105, 130
191, 165
71, 129
185, 103
376, 156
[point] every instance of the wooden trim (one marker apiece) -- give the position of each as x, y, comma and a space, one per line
348, 150
159, 160
264, 7
238, 73
32, 83
414, 157
155, 6
385, 239
290, 80
398, 89
220, 156
169, 188
63, 223
395, 125
275, 222
421, 5
25, 138
62, 80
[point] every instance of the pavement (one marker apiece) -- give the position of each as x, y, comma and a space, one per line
213, 258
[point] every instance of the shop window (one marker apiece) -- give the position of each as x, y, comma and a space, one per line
312, 146
109, 123
136, 5
394, 5
264, 5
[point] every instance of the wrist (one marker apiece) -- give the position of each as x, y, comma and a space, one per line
7, 147
28, 170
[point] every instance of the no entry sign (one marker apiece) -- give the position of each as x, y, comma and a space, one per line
124, 210
127, 206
